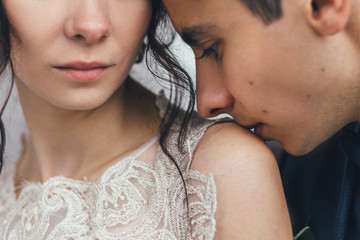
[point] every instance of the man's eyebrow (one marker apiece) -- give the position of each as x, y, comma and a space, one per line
190, 34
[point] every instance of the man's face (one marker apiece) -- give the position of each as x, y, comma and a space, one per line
282, 78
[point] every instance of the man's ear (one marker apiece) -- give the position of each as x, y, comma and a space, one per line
328, 17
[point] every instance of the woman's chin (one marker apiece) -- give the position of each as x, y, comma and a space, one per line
80, 104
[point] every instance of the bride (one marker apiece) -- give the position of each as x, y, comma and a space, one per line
107, 159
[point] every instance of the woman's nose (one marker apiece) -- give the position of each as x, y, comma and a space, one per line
213, 98
89, 22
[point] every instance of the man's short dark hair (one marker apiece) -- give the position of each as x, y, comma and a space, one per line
267, 10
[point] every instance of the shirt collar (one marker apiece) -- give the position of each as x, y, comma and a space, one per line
349, 139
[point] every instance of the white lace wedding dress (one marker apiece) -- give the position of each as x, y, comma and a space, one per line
140, 197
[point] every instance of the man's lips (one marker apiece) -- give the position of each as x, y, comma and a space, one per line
250, 126
258, 128
84, 72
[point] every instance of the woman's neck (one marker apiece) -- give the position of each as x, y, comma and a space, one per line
76, 144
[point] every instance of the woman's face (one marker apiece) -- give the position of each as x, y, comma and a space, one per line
75, 54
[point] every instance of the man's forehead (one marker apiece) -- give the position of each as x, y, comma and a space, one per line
179, 3
180, 10
188, 17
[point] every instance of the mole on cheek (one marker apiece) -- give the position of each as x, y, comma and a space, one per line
308, 96
264, 111
251, 83
323, 69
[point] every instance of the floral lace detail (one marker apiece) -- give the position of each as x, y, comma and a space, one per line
132, 200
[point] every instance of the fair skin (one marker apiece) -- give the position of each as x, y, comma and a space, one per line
250, 198
60, 110
294, 80
75, 119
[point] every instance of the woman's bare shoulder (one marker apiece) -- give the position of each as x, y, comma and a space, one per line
250, 198
230, 141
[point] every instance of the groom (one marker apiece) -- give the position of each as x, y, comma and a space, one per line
290, 69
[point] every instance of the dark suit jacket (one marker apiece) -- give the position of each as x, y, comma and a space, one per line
322, 188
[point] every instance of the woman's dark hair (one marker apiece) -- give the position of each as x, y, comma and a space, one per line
5, 48
157, 47
181, 85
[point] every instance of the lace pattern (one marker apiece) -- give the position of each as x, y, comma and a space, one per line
132, 200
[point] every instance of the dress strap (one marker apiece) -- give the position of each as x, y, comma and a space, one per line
145, 147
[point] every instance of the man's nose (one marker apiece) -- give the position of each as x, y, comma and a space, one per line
88, 21
213, 98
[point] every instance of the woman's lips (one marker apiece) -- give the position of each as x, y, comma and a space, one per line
84, 72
